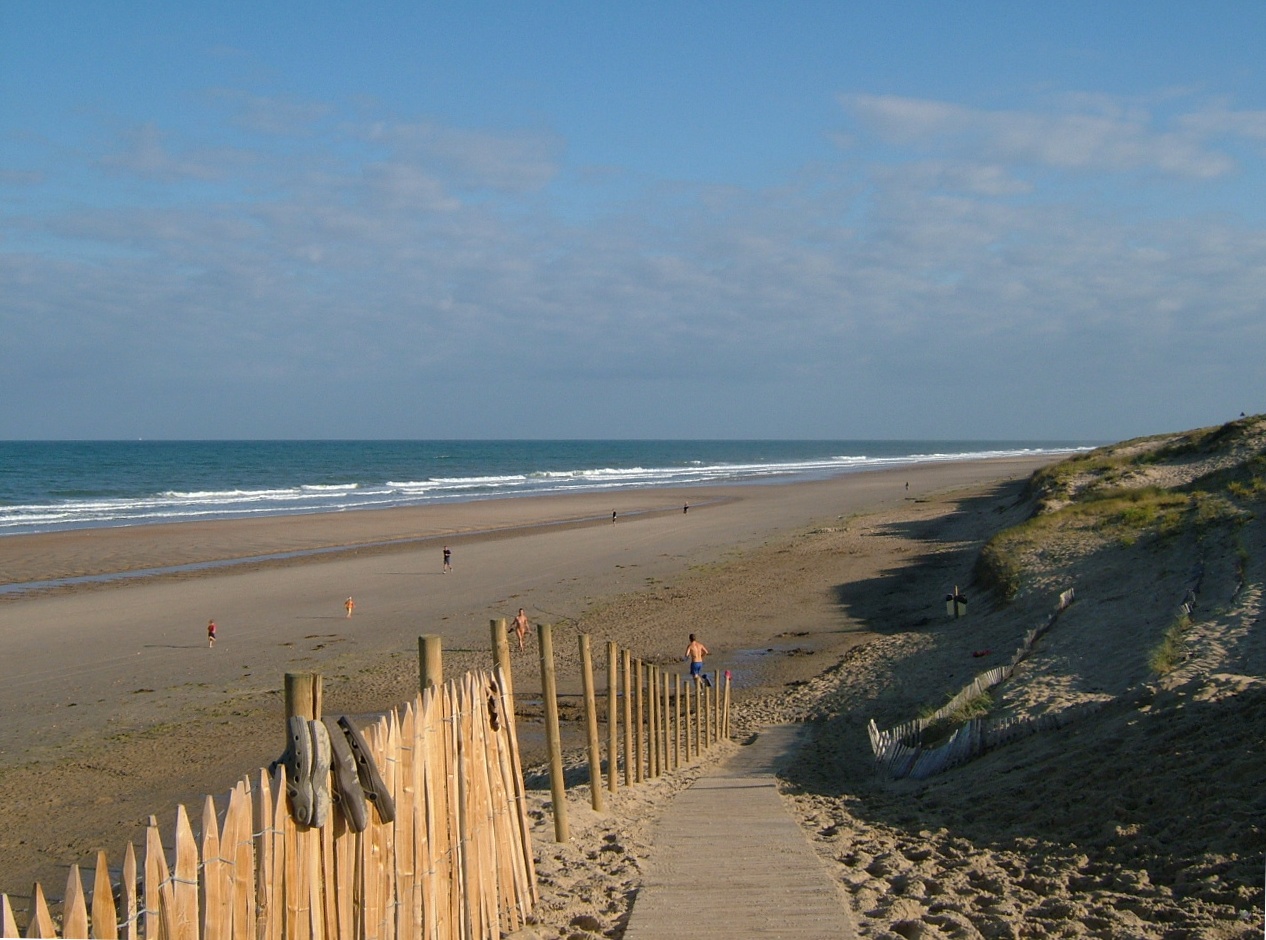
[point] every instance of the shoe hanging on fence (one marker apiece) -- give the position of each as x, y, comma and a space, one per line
348, 795
371, 780
320, 773
298, 763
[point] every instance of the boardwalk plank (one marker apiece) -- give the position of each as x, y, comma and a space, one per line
730, 862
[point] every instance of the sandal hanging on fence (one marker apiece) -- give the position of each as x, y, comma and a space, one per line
348, 795
298, 763
370, 779
321, 756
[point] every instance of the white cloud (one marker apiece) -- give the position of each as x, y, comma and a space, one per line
511, 162
145, 152
276, 115
1096, 137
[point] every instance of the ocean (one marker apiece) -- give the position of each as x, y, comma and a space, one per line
48, 486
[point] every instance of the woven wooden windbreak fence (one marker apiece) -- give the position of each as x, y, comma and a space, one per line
454, 864
900, 751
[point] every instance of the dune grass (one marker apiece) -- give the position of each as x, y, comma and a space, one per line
1172, 649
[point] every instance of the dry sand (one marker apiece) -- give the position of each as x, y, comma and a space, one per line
114, 707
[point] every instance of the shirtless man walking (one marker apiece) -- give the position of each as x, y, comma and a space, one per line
695, 653
520, 627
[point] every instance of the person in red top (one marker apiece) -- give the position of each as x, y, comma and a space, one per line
210, 633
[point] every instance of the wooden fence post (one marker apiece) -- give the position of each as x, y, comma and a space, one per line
613, 726
714, 695
705, 716
627, 664
591, 724
430, 661
549, 692
689, 725
501, 654
303, 695
716, 707
701, 722
661, 723
725, 725
665, 687
717, 693
668, 722
637, 734
652, 709
677, 720
665, 721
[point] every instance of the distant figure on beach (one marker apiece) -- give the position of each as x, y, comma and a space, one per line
448, 559
613, 517
695, 653
520, 627
350, 605
210, 633
907, 486
685, 509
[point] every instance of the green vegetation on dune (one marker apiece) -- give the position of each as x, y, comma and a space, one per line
1166, 657
942, 729
1143, 489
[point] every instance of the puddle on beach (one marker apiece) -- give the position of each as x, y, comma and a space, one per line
754, 667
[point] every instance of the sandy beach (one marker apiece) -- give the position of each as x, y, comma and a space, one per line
825, 599
115, 707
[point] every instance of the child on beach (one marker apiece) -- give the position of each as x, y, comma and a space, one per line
349, 604
448, 559
520, 627
210, 633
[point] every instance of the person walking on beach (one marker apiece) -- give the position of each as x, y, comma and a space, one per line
210, 633
448, 559
350, 605
520, 627
695, 653
613, 517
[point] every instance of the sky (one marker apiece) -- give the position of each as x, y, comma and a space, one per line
630, 220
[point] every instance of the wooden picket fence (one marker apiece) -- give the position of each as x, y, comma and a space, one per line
455, 864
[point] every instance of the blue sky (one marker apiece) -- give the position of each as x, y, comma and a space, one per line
733, 220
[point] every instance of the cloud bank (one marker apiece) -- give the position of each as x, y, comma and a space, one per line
302, 269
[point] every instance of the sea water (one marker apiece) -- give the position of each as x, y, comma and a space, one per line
48, 486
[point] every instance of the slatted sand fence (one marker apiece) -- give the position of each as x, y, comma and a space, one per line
900, 751
453, 861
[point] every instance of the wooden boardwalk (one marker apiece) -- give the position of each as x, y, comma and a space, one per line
730, 862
